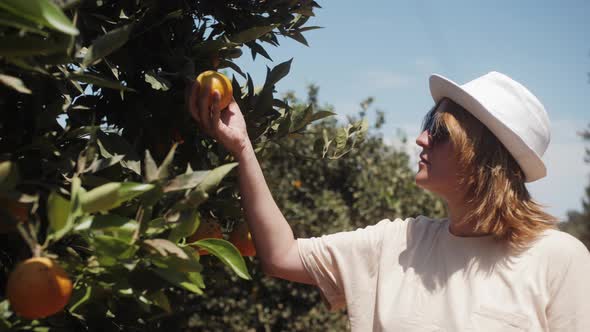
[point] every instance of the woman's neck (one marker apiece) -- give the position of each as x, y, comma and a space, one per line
458, 211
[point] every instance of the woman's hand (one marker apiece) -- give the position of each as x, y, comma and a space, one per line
227, 125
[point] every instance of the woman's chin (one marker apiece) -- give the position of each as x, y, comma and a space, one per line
421, 179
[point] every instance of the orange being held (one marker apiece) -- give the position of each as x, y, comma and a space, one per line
212, 81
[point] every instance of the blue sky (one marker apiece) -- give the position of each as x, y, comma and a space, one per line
388, 49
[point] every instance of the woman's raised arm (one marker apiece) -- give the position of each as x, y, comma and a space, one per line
276, 246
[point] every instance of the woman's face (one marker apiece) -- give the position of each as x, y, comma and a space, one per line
438, 163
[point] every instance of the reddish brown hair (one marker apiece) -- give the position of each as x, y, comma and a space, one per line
499, 201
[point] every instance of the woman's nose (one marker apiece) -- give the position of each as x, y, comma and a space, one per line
423, 139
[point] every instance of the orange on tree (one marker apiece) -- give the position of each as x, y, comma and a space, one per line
242, 239
37, 288
211, 81
208, 229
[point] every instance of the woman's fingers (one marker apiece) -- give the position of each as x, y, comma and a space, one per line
215, 112
204, 113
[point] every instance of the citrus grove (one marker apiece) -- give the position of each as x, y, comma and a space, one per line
104, 175
116, 212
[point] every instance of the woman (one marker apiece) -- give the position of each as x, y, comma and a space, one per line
497, 263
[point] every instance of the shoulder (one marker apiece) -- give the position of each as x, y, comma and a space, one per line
560, 247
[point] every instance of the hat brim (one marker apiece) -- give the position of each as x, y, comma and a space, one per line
529, 161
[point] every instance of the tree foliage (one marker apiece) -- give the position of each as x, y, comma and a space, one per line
578, 223
103, 170
101, 167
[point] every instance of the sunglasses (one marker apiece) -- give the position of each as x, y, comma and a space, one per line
435, 126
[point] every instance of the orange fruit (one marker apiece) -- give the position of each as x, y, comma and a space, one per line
297, 184
211, 80
37, 288
208, 229
242, 239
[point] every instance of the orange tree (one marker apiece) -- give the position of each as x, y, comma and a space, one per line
102, 170
317, 196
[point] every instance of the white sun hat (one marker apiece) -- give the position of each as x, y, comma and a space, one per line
509, 110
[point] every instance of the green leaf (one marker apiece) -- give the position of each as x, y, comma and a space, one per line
165, 248
185, 280
167, 255
10, 20
185, 181
9, 175
112, 144
58, 210
107, 43
74, 213
110, 250
164, 167
321, 114
251, 34
156, 226
186, 225
28, 45
160, 299
112, 195
113, 224
298, 37
285, 124
80, 296
174, 262
151, 169
227, 253
214, 177
43, 12
100, 164
302, 118
99, 81
309, 28
258, 49
14, 83
157, 82
278, 72
209, 183
341, 138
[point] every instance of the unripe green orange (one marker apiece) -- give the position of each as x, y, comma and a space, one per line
211, 81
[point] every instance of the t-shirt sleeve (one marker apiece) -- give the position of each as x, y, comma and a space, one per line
569, 306
341, 262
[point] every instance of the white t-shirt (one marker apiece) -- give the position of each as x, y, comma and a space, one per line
414, 275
